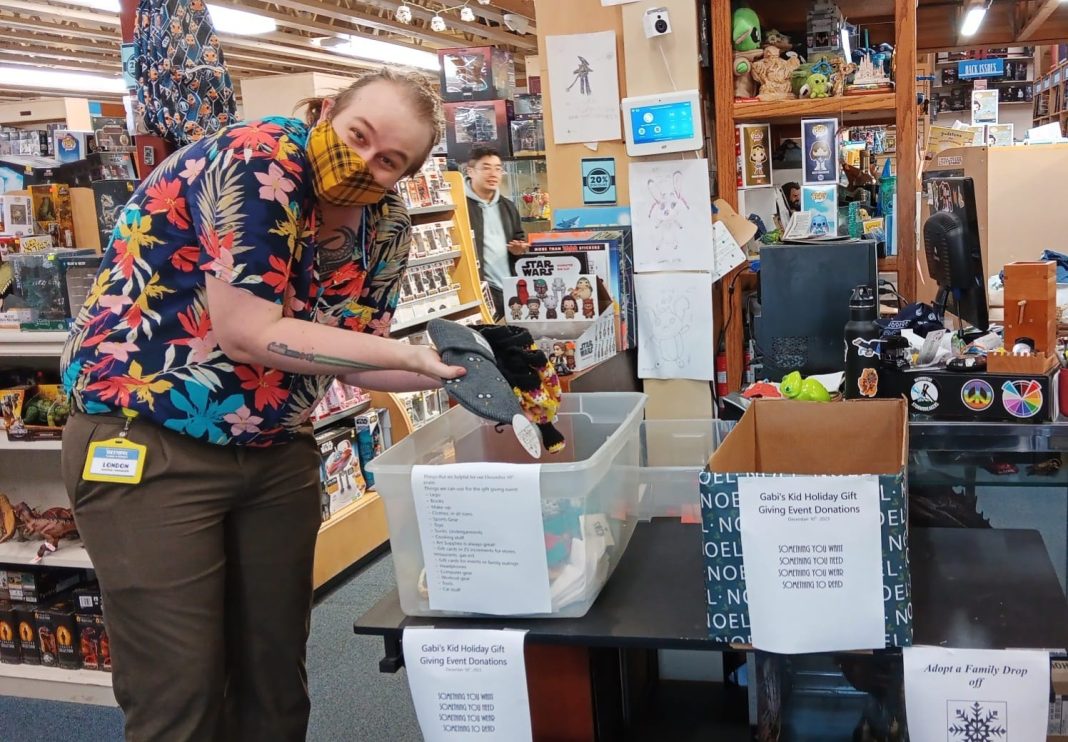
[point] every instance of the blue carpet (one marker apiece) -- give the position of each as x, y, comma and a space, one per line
351, 700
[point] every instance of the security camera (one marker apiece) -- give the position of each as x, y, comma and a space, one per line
656, 22
516, 23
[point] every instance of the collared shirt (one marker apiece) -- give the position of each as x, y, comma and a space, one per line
238, 205
494, 240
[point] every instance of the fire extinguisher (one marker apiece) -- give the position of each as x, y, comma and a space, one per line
721, 373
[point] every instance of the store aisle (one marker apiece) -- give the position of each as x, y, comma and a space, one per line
351, 700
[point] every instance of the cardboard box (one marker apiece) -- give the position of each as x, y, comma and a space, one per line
71, 146
27, 634
21, 171
57, 635
16, 215
98, 166
52, 213
585, 342
370, 441
110, 197
10, 652
37, 586
980, 397
476, 73
39, 283
79, 274
474, 124
93, 646
340, 475
775, 438
87, 600
86, 224
528, 107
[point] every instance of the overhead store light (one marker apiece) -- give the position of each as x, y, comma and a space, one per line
380, 51
226, 20
73, 81
972, 20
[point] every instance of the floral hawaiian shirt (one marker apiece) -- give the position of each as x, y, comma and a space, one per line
238, 205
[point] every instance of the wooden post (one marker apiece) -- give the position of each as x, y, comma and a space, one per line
907, 167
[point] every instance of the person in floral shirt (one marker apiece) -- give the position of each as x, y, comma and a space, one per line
247, 271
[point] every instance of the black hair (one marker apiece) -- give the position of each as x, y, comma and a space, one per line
481, 153
534, 300
514, 301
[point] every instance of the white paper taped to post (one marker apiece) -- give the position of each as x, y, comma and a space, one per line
976, 694
468, 685
813, 562
675, 331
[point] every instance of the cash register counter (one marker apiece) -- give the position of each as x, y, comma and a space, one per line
988, 557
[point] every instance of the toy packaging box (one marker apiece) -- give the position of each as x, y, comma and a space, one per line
528, 138
528, 107
98, 166
29, 649
110, 197
57, 635
752, 145
477, 124
36, 585
822, 202
476, 73
79, 274
551, 298
370, 441
10, 653
71, 146
819, 151
18, 172
52, 213
340, 475
16, 215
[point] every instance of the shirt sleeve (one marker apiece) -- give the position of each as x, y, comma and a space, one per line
387, 258
246, 205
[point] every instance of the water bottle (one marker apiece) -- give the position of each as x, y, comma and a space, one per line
861, 343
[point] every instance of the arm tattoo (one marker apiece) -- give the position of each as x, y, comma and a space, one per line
336, 249
284, 350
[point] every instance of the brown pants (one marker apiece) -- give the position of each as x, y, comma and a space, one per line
206, 573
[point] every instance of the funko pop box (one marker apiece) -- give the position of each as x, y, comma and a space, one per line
476, 73
478, 124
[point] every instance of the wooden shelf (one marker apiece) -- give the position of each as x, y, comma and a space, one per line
71, 554
888, 265
350, 535
57, 684
424, 210
450, 312
31, 344
450, 255
877, 103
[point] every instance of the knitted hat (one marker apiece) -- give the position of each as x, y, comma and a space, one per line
532, 376
483, 389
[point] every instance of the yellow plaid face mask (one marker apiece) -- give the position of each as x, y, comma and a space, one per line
339, 175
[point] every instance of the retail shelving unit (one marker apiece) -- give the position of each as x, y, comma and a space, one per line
898, 107
1051, 96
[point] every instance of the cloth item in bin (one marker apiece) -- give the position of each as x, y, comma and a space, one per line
586, 566
532, 375
560, 519
483, 389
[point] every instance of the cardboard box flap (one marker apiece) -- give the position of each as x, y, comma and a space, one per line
788, 437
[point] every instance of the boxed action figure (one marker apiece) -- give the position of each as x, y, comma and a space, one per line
341, 478
71, 146
528, 138
476, 73
110, 197
57, 634
27, 634
52, 213
98, 166
37, 586
10, 653
93, 647
16, 215
369, 441
477, 124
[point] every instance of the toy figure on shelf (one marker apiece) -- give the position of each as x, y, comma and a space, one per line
816, 86
779, 39
543, 201
773, 74
842, 70
747, 49
869, 78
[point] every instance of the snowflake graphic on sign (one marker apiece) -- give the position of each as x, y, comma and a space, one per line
972, 721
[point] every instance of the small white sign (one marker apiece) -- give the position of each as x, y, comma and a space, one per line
959, 695
483, 541
727, 253
813, 562
468, 685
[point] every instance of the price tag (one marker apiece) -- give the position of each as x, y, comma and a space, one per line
117, 460
528, 435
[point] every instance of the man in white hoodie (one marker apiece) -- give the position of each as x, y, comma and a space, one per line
499, 236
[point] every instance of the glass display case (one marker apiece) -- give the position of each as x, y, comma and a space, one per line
526, 184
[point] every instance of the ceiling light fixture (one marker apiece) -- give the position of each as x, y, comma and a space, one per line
379, 51
226, 20
403, 14
71, 81
973, 19
437, 23
467, 15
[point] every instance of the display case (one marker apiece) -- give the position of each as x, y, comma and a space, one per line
526, 184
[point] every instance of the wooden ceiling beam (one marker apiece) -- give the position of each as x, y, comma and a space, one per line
499, 35
1034, 23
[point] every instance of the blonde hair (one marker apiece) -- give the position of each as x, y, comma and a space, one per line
421, 94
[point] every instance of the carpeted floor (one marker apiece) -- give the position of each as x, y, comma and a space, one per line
351, 700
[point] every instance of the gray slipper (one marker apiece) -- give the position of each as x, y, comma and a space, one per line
482, 390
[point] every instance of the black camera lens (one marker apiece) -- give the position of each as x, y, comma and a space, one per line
660, 25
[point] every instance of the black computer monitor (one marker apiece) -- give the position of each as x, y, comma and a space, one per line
954, 255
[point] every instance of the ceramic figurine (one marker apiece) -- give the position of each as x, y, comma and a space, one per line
773, 74
842, 70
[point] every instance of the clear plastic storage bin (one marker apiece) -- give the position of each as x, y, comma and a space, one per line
674, 453
596, 474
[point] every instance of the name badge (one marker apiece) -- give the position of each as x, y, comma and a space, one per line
116, 460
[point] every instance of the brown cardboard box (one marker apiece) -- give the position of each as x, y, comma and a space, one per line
10, 653
83, 208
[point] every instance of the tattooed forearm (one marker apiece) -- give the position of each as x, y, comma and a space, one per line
284, 350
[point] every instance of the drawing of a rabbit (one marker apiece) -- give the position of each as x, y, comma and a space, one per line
671, 322
666, 211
